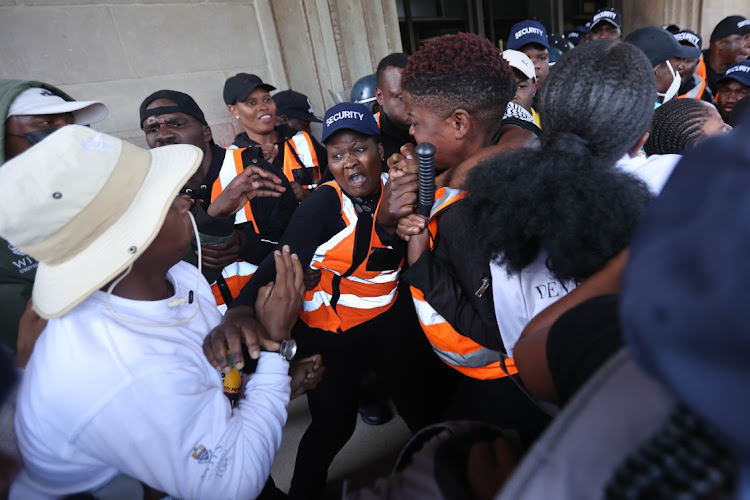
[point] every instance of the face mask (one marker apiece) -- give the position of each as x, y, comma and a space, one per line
674, 87
36, 137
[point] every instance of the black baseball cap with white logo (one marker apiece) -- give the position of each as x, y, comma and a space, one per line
609, 15
691, 43
732, 25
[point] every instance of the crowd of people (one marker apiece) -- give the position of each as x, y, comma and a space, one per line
162, 306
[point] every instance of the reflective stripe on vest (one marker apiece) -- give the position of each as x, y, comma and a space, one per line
238, 273
300, 149
232, 167
377, 118
359, 297
454, 349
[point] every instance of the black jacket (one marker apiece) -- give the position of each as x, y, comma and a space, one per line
451, 277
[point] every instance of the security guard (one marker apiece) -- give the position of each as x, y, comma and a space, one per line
237, 235
296, 153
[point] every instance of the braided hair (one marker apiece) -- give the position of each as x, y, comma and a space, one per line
677, 126
686, 458
567, 198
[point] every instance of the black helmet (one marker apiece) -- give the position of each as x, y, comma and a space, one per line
363, 91
554, 55
560, 42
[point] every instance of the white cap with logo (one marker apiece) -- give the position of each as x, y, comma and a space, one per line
40, 101
521, 62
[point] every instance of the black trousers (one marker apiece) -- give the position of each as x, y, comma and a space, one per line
500, 402
394, 345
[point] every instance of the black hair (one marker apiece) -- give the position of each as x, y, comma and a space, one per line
740, 113
461, 71
395, 60
677, 126
568, 199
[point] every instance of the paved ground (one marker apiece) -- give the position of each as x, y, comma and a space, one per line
368, 455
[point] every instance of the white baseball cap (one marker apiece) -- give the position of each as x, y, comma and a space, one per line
86, 205
521, 62
40, 101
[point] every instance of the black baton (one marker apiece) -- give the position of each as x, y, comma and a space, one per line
426, 160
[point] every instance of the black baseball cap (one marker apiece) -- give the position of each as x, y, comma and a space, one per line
658, 44
732, 25
609, 15
183, 104
294, 105
241, 85
691, 43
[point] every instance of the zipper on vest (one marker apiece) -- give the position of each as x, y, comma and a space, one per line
485, 285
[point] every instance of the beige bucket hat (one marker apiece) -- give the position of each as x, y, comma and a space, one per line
86, 205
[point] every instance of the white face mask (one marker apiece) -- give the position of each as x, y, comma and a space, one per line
674, 87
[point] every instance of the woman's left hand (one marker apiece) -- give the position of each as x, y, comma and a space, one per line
418, 238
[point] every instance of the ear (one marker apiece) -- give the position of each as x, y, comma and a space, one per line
207, 134
232, 110
633, 152
381, 151
281, 119
461, 121
379, 95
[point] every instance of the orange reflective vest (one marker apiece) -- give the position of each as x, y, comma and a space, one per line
697, 91
377, 118
346, 297
299, 155
237, 273
456, 350
701, 71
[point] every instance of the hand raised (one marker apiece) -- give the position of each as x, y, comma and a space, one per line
250, 183
399, 197
404, 162
279, 302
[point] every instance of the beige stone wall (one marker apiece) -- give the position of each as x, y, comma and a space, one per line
698, 16
119, 51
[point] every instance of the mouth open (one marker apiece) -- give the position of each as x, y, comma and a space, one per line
265, 118
357, 180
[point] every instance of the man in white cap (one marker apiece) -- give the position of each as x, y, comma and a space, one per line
523, 69
29, 111
118, 381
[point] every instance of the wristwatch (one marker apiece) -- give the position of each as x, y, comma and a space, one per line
288, 349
